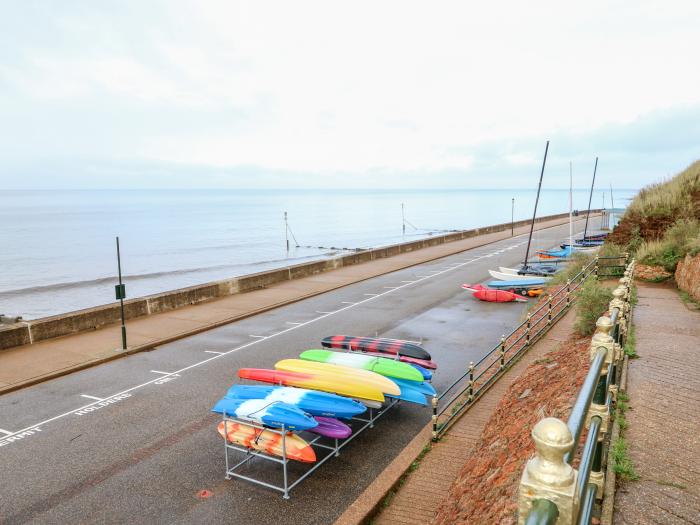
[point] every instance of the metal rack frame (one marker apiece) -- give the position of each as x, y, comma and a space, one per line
333, 450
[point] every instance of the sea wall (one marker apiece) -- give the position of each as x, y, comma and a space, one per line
93, 318
688, 276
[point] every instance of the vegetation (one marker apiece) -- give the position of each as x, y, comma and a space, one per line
662, 224
681, 239
622, 463
578, 261
592, 300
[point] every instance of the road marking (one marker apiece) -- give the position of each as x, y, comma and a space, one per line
213, 352
323, 313
344, 302
6, 432
92, 397
388, 288
127, 393
408, 282
292, 323
370, 294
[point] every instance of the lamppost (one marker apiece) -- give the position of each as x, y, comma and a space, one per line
512, 215
120, 292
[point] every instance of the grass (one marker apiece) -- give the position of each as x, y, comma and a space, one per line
622, 463
578, 261
688, 299
630, 344
592, 300
674, 197
681, 239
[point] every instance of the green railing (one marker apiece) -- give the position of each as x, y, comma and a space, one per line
548, 478
449, 405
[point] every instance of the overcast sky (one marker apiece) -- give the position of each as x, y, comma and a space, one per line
178, 93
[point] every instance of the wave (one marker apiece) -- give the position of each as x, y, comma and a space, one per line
154, 275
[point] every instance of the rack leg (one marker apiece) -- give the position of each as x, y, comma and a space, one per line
284, 464
337, 450
225, 443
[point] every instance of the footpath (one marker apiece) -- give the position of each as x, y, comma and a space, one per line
29, 364
663, 433
418, 498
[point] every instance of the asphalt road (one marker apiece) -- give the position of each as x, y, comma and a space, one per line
133, 441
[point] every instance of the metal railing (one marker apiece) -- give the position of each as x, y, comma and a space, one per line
548, 479
480, 376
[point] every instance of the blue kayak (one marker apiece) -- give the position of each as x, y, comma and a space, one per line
312, 401
413, 391
526, 283
269, 413
427, 374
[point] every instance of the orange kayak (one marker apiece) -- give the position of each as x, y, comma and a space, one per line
267, 441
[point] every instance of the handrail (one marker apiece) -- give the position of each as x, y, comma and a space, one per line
543, 512
577, 418
549, 476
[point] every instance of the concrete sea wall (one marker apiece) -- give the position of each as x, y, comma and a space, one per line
92, 318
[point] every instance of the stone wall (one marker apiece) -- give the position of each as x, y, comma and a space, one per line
688, 276
93, 318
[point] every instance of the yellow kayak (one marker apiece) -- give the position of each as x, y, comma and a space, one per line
341, 373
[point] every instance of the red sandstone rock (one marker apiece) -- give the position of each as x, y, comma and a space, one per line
688, 276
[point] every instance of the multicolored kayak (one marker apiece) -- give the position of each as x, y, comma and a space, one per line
312, 401
410, 360
376, 344
332, 428
267, 441
380, 365
340, 373
269, 413
315, 381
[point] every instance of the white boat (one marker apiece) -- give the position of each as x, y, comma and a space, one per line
509, 276
509, 271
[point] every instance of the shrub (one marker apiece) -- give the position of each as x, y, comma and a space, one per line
682, 238
578, 261
592, 301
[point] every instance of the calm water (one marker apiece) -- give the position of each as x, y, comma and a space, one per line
57, 248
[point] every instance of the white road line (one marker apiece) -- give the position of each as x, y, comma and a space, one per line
292, 323
389, 288
258, 336
344, 302
407, 282
92, 397
164, 373
242, 347
213, 352
6, 432
323, 313
370, 294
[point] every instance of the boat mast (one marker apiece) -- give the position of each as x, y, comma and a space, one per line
534, 213
571, 208
612, 208
585, 229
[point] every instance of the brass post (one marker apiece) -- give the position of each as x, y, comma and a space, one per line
471, 382
503, 352
549, 310
547, 475
568, 293
527, 330
435, 418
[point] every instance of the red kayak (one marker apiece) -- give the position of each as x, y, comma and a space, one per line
493, 296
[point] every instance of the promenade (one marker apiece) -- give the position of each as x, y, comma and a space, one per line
663, 434
29, 364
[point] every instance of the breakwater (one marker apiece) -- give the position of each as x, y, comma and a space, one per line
88, 319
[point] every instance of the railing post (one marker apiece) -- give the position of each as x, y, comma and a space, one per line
435, 418
471, 382
568, 293
503, 352
546, 475
549, 310
527, 330
595, 267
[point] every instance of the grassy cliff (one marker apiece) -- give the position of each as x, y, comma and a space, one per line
662, 224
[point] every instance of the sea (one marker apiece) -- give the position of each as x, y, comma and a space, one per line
58, 247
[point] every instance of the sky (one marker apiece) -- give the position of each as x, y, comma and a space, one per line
186, 94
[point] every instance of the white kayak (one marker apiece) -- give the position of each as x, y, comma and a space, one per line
509, 276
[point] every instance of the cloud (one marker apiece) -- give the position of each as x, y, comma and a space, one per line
335, 94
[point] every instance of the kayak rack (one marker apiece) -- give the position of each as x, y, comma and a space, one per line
331, 446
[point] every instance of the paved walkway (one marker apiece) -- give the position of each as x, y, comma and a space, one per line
25, 365
418, 499
663, 434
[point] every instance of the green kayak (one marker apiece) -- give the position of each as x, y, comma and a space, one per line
380, 365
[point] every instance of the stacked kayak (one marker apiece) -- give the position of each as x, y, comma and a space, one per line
315, 393
493, 296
